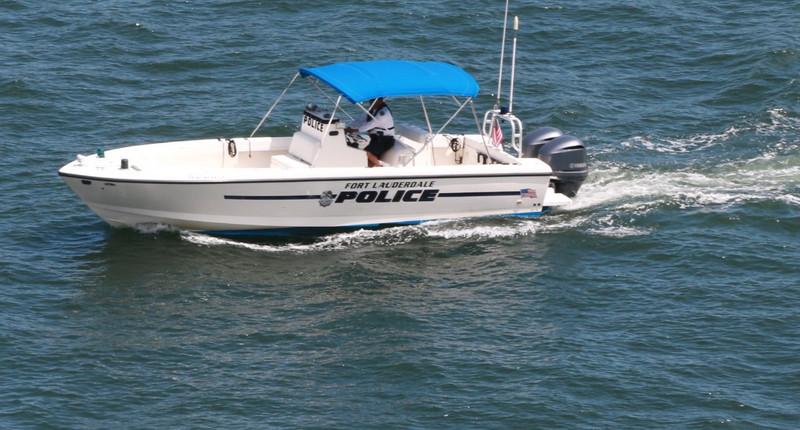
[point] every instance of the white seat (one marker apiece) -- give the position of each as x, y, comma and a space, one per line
398, 155
412, 132
304, 147
288, 162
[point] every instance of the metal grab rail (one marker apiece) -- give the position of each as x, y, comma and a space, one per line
516, 127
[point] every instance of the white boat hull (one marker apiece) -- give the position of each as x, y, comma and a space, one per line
215, 192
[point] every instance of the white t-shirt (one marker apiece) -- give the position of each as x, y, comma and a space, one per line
383, 122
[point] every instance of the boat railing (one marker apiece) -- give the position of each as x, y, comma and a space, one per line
489, 154
492, 119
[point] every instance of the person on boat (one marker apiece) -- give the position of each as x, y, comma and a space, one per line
379, 124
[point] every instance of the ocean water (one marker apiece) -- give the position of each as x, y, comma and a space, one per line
666, 296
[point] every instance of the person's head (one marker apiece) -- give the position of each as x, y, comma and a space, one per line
376, 102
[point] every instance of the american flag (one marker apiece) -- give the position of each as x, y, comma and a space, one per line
528, 192
497, 133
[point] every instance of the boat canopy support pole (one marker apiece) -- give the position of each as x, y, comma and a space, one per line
274, 104
425, 111
315, 82
366, 111
481, 130
326, 133
433, 136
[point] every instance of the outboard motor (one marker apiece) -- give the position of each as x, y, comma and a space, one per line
566, 155
535, 140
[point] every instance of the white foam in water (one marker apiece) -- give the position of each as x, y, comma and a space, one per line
324, 243
761, 176
788, 198
769, 173
478, 229
690, 144
609, 225
154, 228
781, 121
639, 190
391, 236
206, 240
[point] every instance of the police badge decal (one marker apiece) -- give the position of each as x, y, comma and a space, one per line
326, 199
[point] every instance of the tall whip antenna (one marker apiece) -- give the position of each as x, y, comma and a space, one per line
502, 56
513, 65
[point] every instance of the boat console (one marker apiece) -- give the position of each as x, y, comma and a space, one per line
320, 143
316, 120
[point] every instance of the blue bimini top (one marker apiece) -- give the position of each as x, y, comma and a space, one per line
365, 80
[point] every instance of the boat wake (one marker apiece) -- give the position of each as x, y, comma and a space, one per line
465, 229
709, 173
700, 170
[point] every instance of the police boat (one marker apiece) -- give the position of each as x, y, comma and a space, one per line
318, 177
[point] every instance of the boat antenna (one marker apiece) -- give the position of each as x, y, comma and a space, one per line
502, 55
513, 65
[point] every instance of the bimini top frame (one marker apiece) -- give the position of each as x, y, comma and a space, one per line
365, 80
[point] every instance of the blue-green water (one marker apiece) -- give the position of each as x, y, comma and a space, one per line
667, 296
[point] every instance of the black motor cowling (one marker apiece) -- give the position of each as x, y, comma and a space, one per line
566, 155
